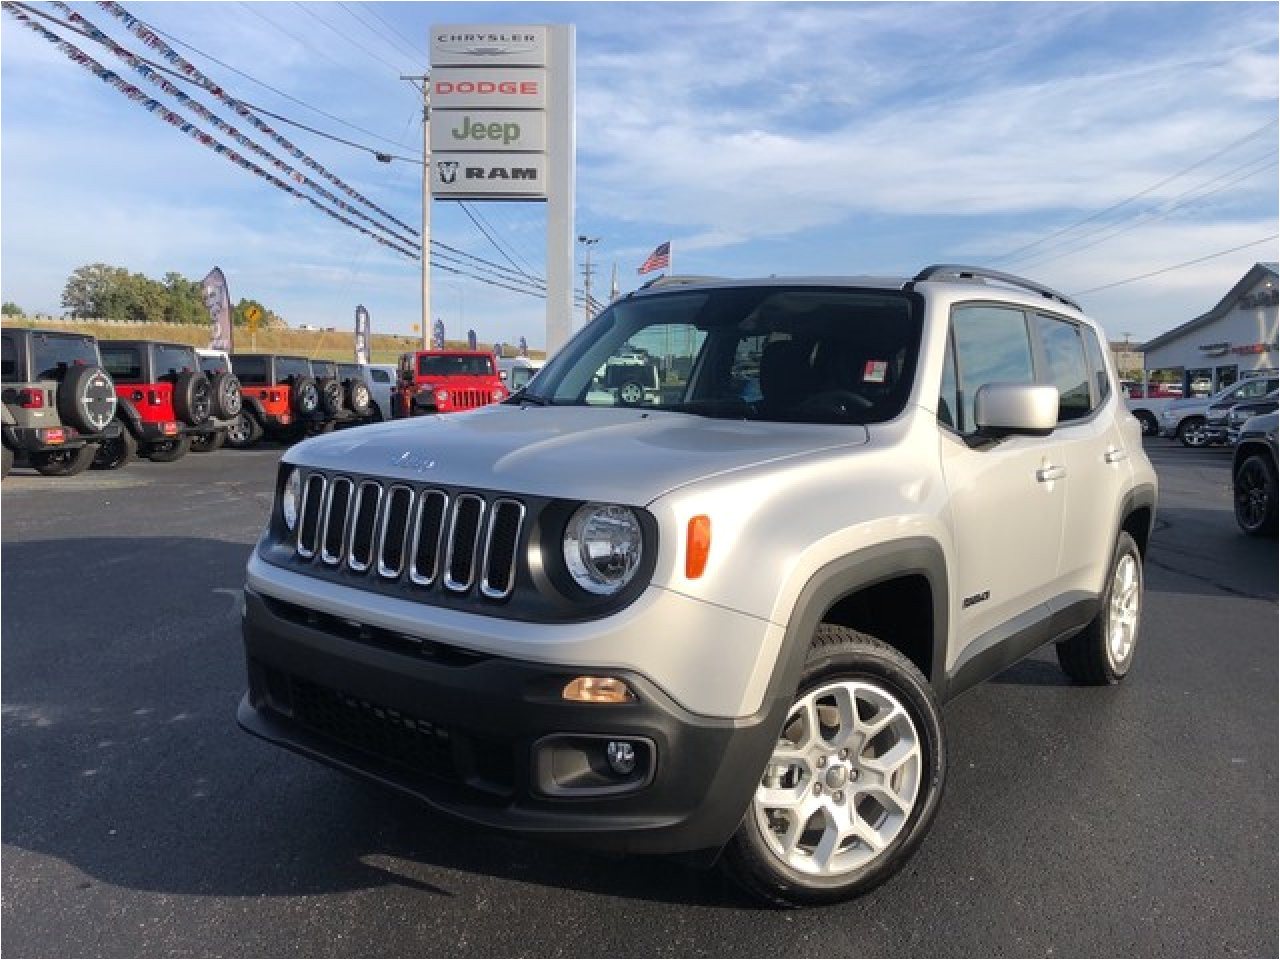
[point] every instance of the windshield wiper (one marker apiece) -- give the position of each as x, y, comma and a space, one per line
530, 398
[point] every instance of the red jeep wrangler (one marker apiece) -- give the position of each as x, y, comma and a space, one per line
282, 400
445, 381
165, 401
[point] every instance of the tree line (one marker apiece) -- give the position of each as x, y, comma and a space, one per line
100, 291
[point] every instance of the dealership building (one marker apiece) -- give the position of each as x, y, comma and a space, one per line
1237, 337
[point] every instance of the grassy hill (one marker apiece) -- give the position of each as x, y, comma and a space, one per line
315, 344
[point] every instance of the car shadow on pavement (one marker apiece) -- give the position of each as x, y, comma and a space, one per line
121, 756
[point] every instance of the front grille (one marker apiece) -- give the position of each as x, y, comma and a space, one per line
426, 537
391, 735
467, 399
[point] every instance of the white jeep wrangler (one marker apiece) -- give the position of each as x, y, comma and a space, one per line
724, 622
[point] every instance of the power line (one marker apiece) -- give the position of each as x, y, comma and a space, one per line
382, 35
351, 40
1176, 266
266, 86
299, 40
1142, 193
1192, 196
418, 53
467, 210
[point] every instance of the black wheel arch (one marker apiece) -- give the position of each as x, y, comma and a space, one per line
836, 594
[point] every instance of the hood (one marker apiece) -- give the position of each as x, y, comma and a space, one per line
581, 453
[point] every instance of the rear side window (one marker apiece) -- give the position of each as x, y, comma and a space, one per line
287, 367
380, 376
123, 363
1065, 366
9, 358
1101, 378
250, 371
172, 361
991, 346
52, 354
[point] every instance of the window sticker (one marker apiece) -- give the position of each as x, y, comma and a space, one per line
874, 371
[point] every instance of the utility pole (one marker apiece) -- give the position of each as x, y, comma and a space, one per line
587, 242
424, 81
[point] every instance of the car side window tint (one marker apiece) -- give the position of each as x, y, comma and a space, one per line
949, 412
992, 345
1065, 366
380, 376
9, 366
1098, 361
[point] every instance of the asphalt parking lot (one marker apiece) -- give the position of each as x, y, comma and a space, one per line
139, 821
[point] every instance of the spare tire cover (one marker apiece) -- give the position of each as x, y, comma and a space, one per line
87, 399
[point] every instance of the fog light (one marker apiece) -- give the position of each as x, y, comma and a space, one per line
622, 757
597, 690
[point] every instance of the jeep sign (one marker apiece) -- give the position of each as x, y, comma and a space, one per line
461, 88
488, 130
488, 174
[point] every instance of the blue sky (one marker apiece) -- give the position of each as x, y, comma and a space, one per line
758, 138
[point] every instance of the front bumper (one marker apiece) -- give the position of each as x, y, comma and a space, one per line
490, 740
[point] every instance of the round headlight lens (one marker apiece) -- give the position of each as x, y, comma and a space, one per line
602, 547
291, 499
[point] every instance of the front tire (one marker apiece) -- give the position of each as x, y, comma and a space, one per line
854, 782
1150, 427
1102, 654
244, 432
208, 442
1254, 489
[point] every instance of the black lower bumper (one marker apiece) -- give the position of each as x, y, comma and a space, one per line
491, 740
33, 439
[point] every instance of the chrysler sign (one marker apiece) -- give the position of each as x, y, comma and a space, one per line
488, 46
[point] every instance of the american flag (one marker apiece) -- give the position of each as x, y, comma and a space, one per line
658, 260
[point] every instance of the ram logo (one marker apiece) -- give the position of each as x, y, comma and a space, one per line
448, 171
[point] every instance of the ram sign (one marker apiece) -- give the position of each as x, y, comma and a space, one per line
491, 175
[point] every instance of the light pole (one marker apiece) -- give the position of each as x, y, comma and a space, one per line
588, 243
425, 258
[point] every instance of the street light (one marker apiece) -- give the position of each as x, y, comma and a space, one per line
587, 242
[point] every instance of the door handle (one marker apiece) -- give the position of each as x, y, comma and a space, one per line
1045, 474
1114, 455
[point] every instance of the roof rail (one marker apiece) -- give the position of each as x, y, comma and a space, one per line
675, 280
958, 272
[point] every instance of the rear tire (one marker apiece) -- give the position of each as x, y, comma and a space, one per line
245, 432
1102, 654
7, 464
1150, 427
114, 454
1191, 432
208, 442
167, 451
64, 463
848, 795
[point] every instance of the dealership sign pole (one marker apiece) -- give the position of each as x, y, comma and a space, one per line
503, 129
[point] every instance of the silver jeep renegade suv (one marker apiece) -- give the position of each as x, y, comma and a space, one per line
722, 621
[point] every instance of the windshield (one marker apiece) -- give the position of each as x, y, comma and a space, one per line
323, 368
808, 354
216, 364
172, 360
350, 371
455, 365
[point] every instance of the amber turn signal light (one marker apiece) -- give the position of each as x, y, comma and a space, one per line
699, 546
597, 690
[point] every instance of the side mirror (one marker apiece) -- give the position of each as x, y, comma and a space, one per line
503, 375
1001, 409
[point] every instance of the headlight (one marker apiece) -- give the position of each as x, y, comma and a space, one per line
442, 396
602, 547
291, 498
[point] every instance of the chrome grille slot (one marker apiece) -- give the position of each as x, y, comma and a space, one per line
464, 543
393, 533
498, 572
309, 514
337, 510
364, 525
428, 525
